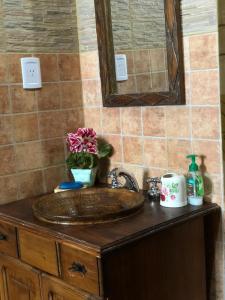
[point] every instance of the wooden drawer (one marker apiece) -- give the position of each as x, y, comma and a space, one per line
8, 240
53, 289
38, 251
79, 268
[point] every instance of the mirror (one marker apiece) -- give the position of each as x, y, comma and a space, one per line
140, 52
139, 34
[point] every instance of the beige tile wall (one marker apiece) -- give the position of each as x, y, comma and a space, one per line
33, 124
147, 71
153, 140
222, 65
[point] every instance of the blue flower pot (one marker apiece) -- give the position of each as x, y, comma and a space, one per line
86, 176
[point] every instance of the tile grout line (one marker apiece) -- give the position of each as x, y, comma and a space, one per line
142, 136
121, 135
216, 140
191, 95
39, 135
32, 170
165, 111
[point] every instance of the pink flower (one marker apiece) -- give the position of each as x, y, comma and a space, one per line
163, 197
83, 140
173, 197
165, 191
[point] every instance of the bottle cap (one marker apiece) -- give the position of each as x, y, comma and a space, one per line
193, 167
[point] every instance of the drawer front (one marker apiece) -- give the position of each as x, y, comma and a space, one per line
8, 240
55, 289
79, 268
38, 251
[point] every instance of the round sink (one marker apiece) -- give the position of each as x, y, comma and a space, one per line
87, 206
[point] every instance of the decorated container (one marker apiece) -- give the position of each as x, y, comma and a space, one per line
173, 190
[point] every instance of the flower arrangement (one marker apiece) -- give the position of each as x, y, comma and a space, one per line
86, 149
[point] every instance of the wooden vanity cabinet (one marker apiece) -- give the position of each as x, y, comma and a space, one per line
157, 254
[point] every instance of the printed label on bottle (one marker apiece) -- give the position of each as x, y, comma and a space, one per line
190, 187
195, 186
199, 186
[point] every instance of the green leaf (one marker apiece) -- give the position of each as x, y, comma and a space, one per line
82, 160
104, 150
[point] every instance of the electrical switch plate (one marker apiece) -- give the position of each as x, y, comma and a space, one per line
121, 67
31, 72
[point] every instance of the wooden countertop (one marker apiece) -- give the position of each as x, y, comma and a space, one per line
103, 237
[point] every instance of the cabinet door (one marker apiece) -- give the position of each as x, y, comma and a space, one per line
55, 289
18, 281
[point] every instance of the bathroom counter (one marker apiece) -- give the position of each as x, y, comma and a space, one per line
158, 253
102, 237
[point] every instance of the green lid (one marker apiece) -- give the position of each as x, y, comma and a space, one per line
193, 166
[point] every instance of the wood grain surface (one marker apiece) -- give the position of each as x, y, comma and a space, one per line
104, 237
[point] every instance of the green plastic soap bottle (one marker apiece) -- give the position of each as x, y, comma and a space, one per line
195, 185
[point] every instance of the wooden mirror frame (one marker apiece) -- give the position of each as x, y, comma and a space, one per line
176, 93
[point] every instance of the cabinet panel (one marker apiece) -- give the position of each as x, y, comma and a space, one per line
8, 241
168, 265
55, 289
38, 251
18, 281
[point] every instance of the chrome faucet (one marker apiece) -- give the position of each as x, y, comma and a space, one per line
154, 190
130, 181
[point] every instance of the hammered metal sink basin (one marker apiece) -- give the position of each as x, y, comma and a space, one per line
87, 206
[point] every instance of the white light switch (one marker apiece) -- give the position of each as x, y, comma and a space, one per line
31, 72
121, 67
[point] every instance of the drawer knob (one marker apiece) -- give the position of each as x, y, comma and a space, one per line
78, 268
2, 237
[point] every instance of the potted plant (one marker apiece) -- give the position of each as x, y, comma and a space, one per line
85, 153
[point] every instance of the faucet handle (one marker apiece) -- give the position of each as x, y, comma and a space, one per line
113, 175
154, 190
